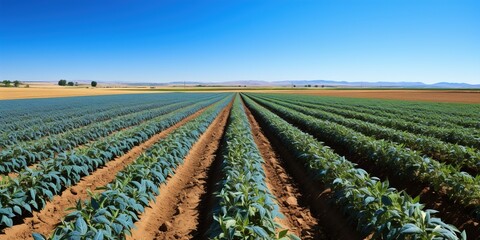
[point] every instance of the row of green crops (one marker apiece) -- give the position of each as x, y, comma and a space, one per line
421, 113
22, 155
37, 113
33, 187
370, 203
111, 214
70, 119
460, 156
459, 186
439, 119
39, 131
246, 209
21, 114
456, 112
453, 135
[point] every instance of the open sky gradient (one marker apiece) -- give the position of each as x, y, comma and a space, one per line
161, 41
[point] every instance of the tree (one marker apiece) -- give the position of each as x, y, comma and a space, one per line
16, 83
62, 82
7, 83
70, 84
94, 83
76, 83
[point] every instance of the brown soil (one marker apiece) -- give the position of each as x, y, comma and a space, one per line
176, 212
454, 96
45, 221
81, 146
449, 211
50, 90
298, 217
312, 194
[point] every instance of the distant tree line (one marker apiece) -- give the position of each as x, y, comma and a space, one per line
63, 82
8, 83
309, 85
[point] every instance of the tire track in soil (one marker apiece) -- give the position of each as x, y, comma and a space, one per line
177, 211
313, 195
298, 217
45, 221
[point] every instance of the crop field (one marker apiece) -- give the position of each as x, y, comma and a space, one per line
215, 165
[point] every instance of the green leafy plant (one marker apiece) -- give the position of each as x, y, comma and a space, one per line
371, 204
111, 214
246, 209
50, 177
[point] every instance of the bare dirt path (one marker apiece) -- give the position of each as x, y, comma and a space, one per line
177, 210
298, 217
310, 194
44, 222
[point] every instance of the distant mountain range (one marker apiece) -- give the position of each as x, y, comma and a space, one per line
287, 83
319, 83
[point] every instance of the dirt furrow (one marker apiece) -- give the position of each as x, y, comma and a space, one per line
448, 210
176, 212
83, 145
45, 221
298, 217
305, 203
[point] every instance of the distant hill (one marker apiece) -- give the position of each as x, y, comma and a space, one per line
287, 83
330, 83
377, 84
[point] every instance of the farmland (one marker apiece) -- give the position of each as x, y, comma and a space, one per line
224, 165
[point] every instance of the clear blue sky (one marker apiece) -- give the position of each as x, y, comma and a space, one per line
160, 41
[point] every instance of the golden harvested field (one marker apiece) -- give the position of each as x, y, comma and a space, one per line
49, 92
454, 96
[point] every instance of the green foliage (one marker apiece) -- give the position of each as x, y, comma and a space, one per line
62, 82
246, 209
16, 157
33, 187
434, 123
112, 213
459, 186
93, 84
460, 156
6, 83
371, 204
